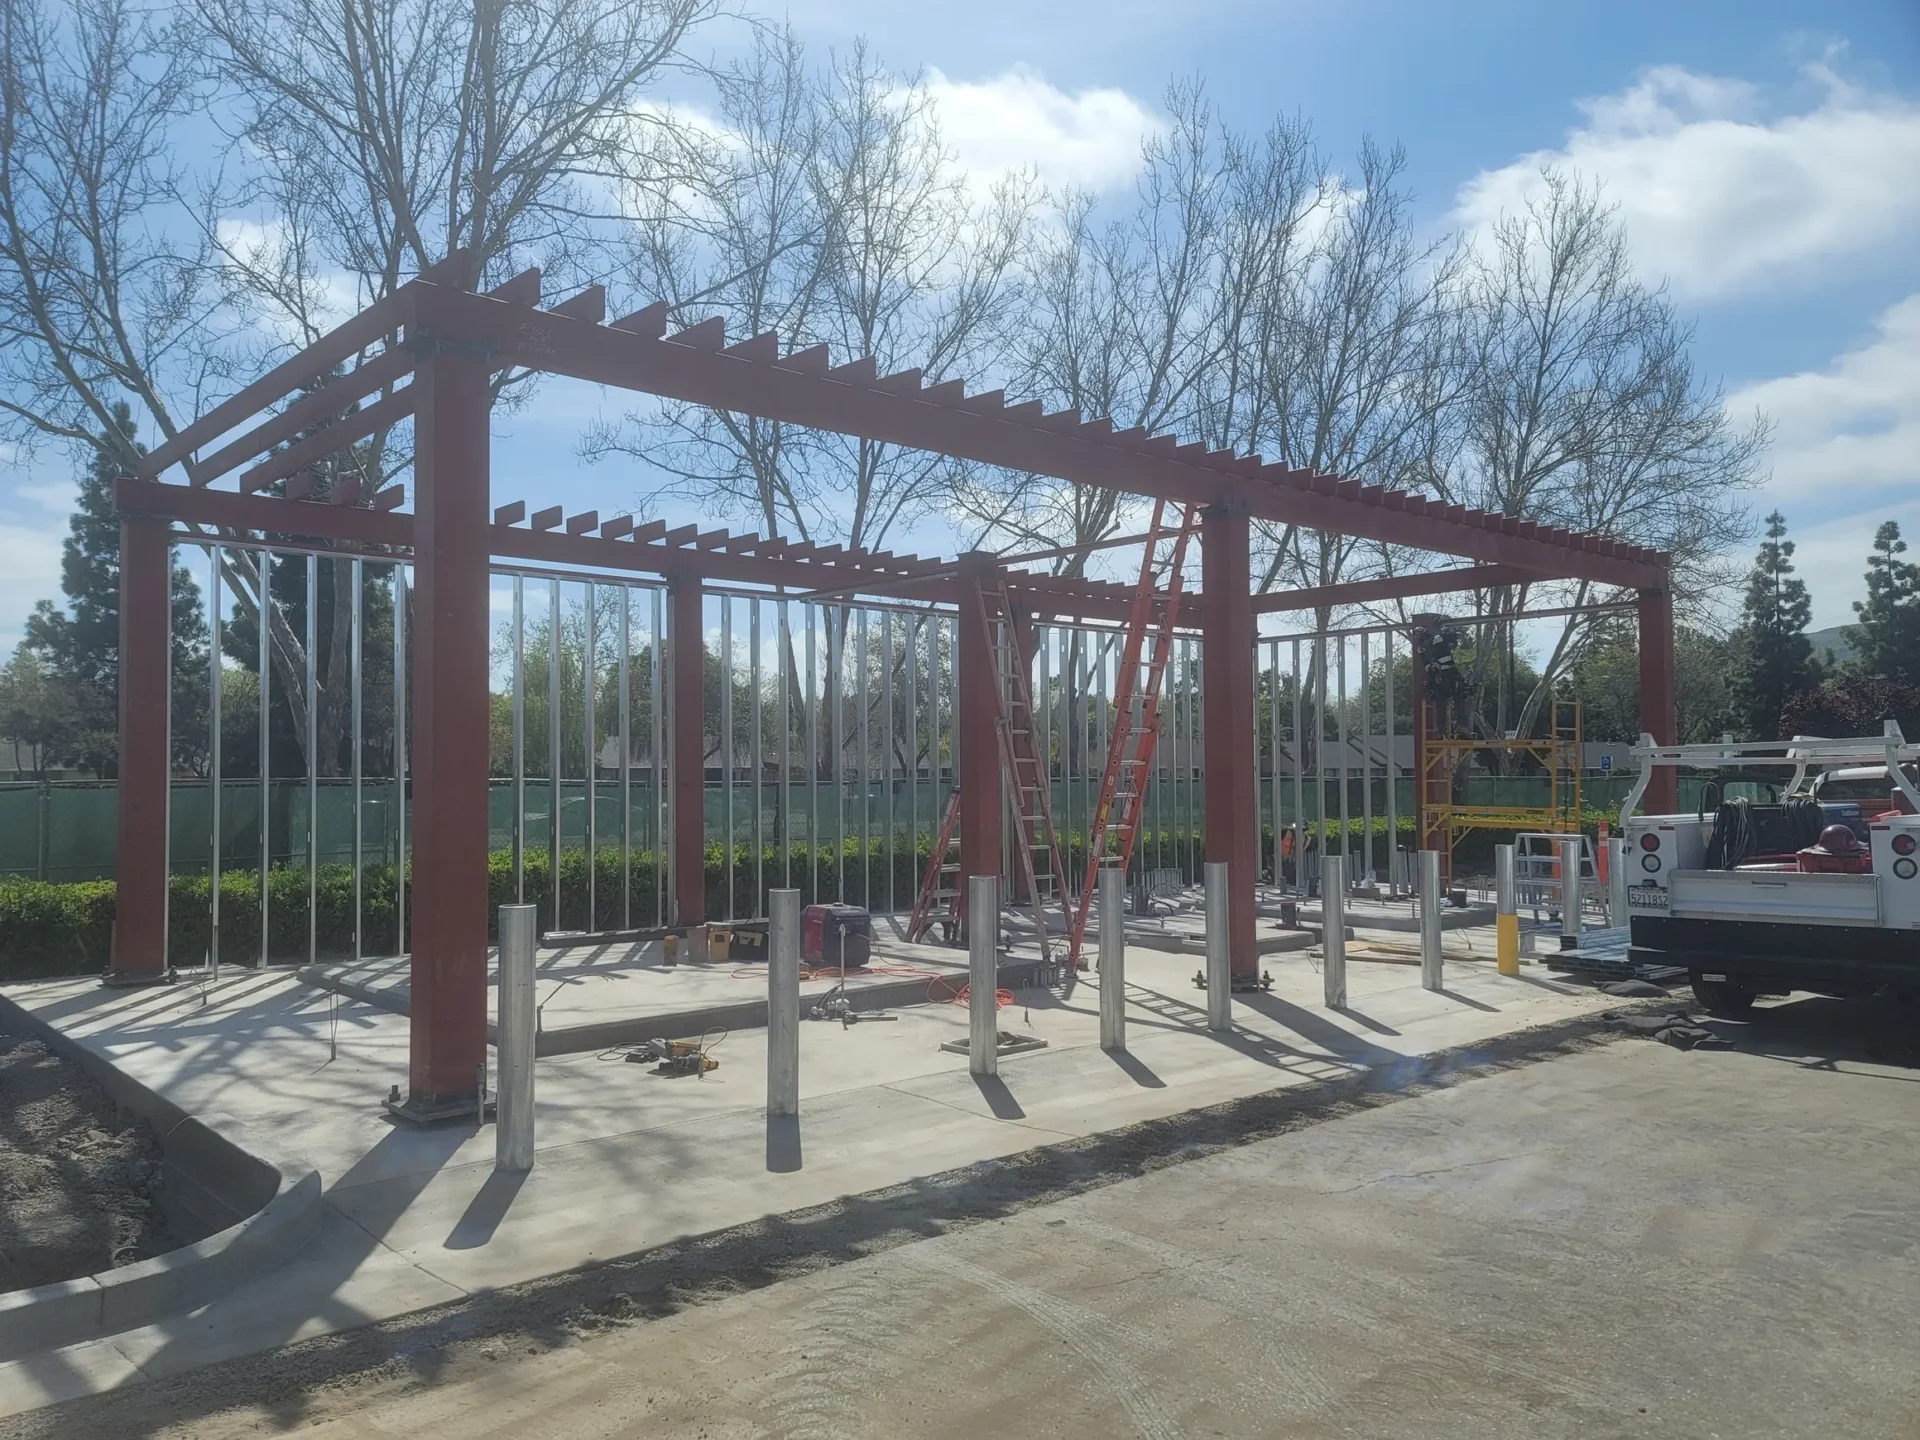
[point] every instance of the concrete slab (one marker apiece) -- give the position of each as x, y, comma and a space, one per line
66, 1374
628, 1160
591, 997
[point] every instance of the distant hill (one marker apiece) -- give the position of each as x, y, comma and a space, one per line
1834, 639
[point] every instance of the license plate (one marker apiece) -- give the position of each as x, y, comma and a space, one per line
1715, 979
1647, 900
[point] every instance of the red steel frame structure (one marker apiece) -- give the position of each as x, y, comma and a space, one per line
450, 340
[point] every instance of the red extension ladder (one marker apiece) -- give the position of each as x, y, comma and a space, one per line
1123, 785
939, 899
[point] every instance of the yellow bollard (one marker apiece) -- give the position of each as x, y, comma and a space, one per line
1506, 920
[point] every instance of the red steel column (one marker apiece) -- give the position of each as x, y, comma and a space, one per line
450, 739
1656, 695
1233, 827
146, 648
976, 738
688, 702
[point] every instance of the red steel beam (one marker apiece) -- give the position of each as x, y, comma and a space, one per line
354, 525
1233, 827
895, 410
347, 430
448, 1013
269, 514
589, 304
1394, 587
383, 317
329, 401
146, 645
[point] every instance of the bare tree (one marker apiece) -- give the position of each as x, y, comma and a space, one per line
102, 295
1360, 362
917, 274
381, 136
368, 142
824, 209
732, 227
1150, 320
821, 208
1582, 409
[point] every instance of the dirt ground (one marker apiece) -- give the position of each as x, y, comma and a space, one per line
77, 1179
1581, 1239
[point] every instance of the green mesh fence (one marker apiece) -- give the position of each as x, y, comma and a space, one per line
64, 830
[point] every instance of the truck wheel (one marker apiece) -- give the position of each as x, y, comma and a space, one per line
1726, 998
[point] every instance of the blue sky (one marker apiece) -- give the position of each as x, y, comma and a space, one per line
1765, 156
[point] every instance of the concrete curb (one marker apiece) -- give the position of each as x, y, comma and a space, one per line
261, 1203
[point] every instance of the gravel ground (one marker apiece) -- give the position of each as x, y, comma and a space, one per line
77, 1178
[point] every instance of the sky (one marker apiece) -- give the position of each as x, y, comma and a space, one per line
1765, 157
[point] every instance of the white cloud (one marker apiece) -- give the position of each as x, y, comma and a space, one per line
264, 248
29, 569
55, 495
1722, 197
1846, 455
1854, 427
1089, 139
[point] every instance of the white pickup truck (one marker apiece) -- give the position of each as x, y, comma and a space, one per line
1767, 909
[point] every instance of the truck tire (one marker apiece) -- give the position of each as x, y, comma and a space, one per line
1726, 998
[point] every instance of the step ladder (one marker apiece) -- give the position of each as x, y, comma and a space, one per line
1024, 771
939, 900
1115, 824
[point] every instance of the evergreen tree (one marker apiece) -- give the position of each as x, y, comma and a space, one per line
1775, 658
80, 646
1886, 642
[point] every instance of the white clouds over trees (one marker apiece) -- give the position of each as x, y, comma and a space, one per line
1719, 196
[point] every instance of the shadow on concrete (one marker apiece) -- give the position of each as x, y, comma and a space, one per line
783, 1144
1336, 1040
999, 1098
486, 1210
1136, 1069
1366, 1020
1820, 1033
1539, 984
1456, 996
400, 1165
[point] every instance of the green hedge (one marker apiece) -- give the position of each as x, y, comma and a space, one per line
52, 928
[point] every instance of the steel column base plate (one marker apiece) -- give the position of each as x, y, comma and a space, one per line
130, 980
1006, 1043
432, 1110
1239, 984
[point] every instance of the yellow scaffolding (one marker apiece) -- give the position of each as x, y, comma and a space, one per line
1558, 755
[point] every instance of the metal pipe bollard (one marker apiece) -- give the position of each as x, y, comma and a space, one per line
1333, 933
1506, 917
783, 1002
1219, 961
1113, 959
1570, 893
1617, 858
513, 1113
983, 974
1430, 974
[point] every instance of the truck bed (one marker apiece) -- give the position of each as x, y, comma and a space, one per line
1782, 895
